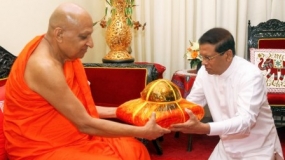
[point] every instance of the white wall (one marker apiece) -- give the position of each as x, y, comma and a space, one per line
22, 20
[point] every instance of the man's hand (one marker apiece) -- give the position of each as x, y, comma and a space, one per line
153, 130
193, 125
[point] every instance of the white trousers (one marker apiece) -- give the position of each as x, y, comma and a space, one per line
219, 153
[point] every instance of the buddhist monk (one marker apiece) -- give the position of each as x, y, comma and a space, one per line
49, 113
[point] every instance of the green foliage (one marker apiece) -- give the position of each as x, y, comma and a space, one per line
194, 62
128, 11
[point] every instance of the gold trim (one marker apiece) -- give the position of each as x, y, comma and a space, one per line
277, 105
3, 78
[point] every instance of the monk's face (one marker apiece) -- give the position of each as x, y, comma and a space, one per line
76, 38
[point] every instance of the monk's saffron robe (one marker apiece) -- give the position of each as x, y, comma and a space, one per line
36, 130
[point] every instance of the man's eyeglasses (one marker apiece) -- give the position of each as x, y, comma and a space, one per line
209, 58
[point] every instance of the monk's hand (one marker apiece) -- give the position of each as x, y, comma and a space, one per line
152, 130
192, 125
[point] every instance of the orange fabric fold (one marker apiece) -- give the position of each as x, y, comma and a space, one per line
36, 130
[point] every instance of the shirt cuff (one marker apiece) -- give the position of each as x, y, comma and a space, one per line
216, 128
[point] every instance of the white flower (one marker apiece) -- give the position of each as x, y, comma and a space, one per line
195, 46
193, 51
193, 54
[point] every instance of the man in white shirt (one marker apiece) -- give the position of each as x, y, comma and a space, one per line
236, 94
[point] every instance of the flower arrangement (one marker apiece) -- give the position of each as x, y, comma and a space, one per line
193, 54
128, 11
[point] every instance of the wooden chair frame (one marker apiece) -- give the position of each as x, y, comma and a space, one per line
271, 29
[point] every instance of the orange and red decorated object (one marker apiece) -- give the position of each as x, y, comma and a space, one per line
162, 97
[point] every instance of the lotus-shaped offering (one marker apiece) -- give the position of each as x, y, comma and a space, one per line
162, 97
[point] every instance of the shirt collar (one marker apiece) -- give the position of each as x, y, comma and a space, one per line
230, 69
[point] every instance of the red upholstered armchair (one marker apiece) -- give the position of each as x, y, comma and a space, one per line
121, 81
268, 36
6, 61
112, 84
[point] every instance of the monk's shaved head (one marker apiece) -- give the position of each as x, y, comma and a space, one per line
67, 15
69, 32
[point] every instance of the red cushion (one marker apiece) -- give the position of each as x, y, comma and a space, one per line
114, 86
272, 43
2, 93
276, 99
2, 81
3, 155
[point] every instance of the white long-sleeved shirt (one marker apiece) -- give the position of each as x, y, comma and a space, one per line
237, 100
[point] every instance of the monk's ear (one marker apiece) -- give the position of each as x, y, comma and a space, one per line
58, 34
